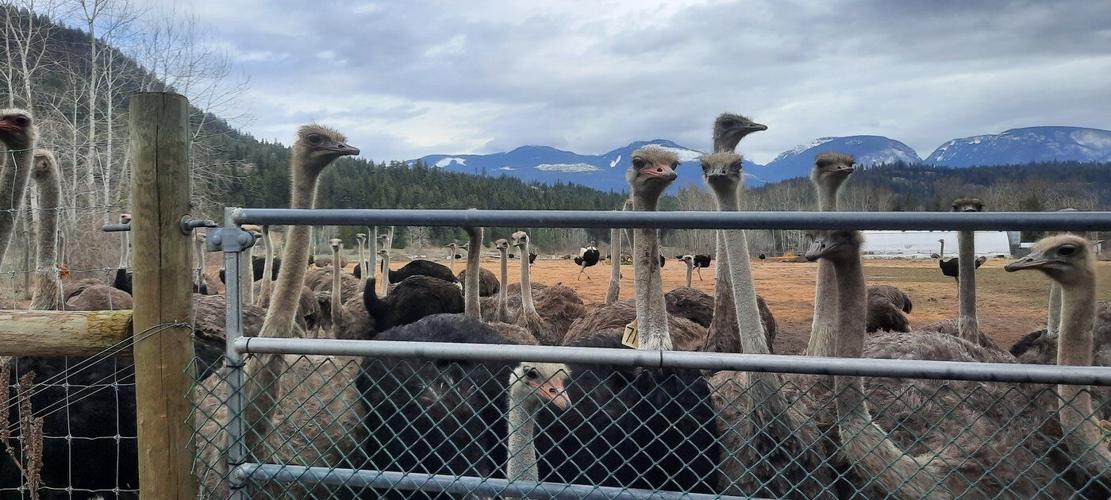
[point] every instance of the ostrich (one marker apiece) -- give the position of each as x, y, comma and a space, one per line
18, 133
488, 284
1069, 261
123, 279
886, 308
199, 284
560, 305
700, 262
648, 428
770, 448
500, 310
414, 298
343, 321
48, 289
941, 252
613, 292
307, 401
588, 256
454, 247
995, 453
689, 261
421, 267
830, 172
360, 271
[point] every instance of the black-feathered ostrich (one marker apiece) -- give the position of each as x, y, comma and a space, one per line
588, 256
648, 428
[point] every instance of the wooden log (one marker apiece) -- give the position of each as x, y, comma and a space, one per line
160, 197
63, 333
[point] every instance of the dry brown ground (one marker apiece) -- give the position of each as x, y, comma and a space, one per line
1010, 305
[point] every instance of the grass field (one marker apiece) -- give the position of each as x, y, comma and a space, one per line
1010, 305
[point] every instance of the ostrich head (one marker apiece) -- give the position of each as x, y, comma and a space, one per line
125, 218
321, 145
44, 164
360, 237
832, 168
501, 244
652, 171
730, 128
383, 239
17, 128
839, 245
534, 384
1065, 258
336, 244
967, 205
722, 171
519, 238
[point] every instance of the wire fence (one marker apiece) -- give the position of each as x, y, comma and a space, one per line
479, 424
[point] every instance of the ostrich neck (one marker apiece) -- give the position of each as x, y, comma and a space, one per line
47, 294
869, 447
503, 294
268, 263
1084, 438
471, 305
386, 273
123, 249
825, 288
723, 326
967, 325
690, 273
1053, 321
13, 183
295, 253
521, 449
725, 144
650, 306
527, 306
613, 293
337, 290
749, 327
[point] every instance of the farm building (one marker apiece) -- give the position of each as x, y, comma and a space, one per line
922, 244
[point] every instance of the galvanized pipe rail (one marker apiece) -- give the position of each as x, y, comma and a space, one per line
982, 221
454, 485
895, 368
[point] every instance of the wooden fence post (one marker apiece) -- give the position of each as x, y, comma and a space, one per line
160, 196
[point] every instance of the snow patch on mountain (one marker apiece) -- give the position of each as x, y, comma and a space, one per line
566, 167
446, 162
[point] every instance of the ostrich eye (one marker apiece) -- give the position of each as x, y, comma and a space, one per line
532, 373
22, 121
729, 123
638, 162
675, 165
315, 139
738, 165
1066, 250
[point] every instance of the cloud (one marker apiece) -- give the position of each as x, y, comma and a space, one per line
405, 79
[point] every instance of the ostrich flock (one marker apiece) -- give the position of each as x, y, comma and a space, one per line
716, 432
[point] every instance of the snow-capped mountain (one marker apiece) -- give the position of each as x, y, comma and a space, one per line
1025, 145
549, 165
868, 149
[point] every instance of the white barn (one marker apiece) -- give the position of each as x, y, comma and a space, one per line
921, 244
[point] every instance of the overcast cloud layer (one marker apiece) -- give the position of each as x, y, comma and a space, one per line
406, 79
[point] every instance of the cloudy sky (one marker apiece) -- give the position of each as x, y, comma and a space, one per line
405, 79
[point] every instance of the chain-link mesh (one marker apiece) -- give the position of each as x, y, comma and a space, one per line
377, 427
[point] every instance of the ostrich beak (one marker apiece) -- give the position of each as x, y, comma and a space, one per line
346, 150
755, 127
818, 248
554, 391
661, 171
1032, 261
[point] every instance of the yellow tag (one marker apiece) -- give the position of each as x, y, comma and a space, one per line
630, 338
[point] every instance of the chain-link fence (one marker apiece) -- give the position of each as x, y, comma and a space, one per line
380, 426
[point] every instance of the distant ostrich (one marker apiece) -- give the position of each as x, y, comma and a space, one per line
689, 261
453, 247
588, 256
305, 401
649, 428
925, 459
475, 418
18, 133
700, 262
360, 244
421, 267
558, 307
199, 284
887, 306
941, 252
496, 309
770, 447
488, 283
345, 325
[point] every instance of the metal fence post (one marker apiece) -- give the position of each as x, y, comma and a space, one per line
232, 241
160, 197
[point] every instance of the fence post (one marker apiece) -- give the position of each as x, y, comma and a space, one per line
232, 240
160, 197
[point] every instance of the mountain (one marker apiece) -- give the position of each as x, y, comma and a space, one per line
1026, 145
549, 165
868, 149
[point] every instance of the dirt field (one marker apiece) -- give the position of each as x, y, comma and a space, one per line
1010, 304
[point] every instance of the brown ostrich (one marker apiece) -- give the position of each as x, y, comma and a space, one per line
975, 438
546, 315
496, 309
770, 447
48, 288
305, 415
830, 172
887, 308
18, 133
